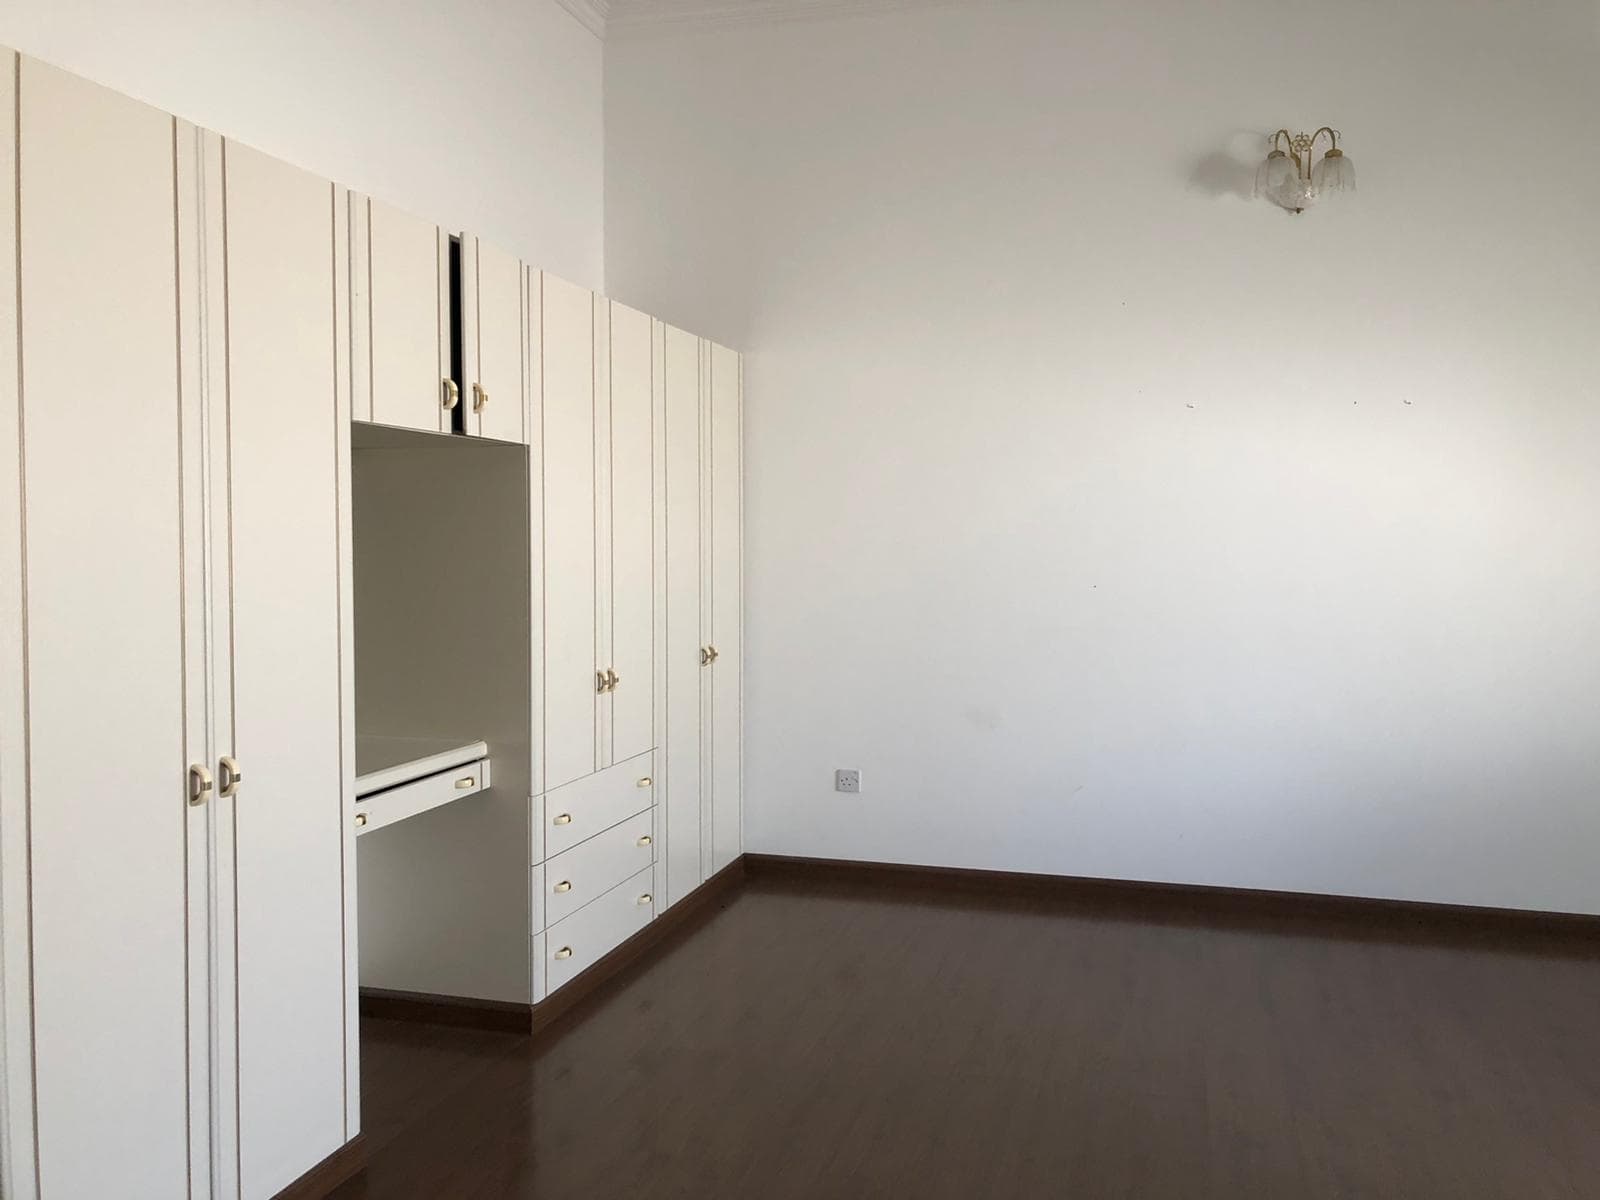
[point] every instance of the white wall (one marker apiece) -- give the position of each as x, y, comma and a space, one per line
483, 114
1115, 525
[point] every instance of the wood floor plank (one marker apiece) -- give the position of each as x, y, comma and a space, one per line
833, 1039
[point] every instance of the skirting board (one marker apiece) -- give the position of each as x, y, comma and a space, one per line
522, 1018
328, 1174
498, 1015
1183, 901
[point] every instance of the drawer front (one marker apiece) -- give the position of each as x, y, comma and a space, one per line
597, 928
410, 799
576, 812
586, 872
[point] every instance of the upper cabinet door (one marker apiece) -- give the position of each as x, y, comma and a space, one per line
495, 399
685, 633
288, 815
107, 703
727, 608
567, 442
632, 575
401, 311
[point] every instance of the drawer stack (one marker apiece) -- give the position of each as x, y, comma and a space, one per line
595, 887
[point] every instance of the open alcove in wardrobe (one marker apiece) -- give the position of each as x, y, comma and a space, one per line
442, 653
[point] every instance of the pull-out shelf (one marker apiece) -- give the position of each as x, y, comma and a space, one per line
400, 777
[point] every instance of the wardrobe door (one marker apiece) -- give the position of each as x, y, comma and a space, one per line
290, 814
496, 391
682, 761
568, 519
16, 1051
727, 609
104, 637
632, 574
402, 300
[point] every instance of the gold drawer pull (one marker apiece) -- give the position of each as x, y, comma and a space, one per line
564, 886
646, 898
564, 952
452, 394
644, 841
563, 819
465, 782
361, 820
645, 782
480, 397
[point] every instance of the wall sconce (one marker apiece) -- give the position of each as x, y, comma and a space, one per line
1289, 180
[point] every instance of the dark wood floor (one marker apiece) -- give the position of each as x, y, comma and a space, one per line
835, 1040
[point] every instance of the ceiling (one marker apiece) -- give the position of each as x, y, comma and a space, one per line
627, 17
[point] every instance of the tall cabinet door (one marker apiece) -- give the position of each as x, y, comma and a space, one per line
496, 378
685, 666
727, 608
632, 504
400, 297
291, 817
571, 693
118, 1051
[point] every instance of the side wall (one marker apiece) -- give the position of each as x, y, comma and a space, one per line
1110, 522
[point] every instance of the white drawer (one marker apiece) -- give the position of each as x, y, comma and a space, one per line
419, 796
584, 873
576, 811
596, 929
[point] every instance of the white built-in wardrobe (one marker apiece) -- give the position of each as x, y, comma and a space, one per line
197, 342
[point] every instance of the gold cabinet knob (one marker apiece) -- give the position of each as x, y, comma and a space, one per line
563, 819
614, 679
602, 683
644, 841
230, 775
465, 782
361, 820
564, 886
646, 898
199, 785
480, 397
705, 656
452, 394
645, 782
564, 952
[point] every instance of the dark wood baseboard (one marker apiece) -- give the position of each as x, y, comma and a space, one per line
670, 925
460, 1011
328, 1174
1182, 901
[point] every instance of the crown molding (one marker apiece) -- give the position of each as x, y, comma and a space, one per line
633, 18
593, 15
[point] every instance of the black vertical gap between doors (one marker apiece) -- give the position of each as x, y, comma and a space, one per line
458, 415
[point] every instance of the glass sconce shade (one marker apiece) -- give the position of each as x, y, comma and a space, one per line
1276, 177
1334, 173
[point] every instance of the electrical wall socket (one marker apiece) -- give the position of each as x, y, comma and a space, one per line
847, 780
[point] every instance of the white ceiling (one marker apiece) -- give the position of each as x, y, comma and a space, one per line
625, 17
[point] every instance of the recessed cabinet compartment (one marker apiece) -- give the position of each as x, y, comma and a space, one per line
578, 811
442, 654
585, 872
588, 935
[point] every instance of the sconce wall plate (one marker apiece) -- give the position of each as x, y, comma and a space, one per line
1290, 180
